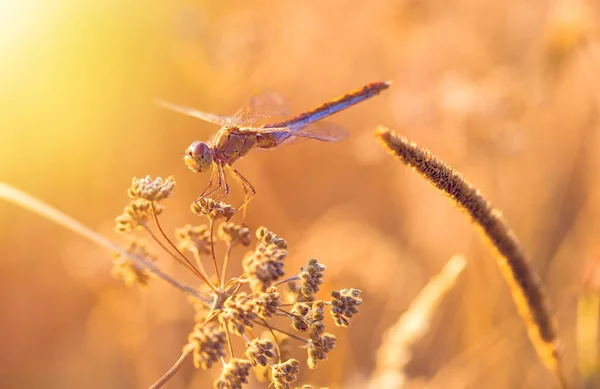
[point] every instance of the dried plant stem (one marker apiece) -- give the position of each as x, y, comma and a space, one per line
294, 336
36, 206
285, 313
587, 333
274, 338
188, 264
167, 376
225, 264
394, 353
292, 278
198, 260
229, 344
212, 249
166, 249
523, 281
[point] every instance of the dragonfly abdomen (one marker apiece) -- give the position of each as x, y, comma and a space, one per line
332, 106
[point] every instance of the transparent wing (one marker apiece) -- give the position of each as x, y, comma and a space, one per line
268, 102
260, 106
207, 117
322, 131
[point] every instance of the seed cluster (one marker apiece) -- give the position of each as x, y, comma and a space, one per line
239, 305
207, 343
146, 195
344, 305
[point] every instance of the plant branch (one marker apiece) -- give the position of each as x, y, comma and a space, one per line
167, 376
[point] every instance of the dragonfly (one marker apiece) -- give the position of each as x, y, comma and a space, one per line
239, 135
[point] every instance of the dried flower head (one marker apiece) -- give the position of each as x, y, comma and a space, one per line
267, 237
136, 215
284, 374
193, 238
151, 190
233, 233
319, 347
126, 270
259, 351
212, 209
308, 316
300, 313
344, 305
238, 313
267, 303
264, 266
284, 351
232, 307
234, 374
207, 343
311, 277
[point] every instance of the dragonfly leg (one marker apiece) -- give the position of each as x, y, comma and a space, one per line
209, 189
223, 178
216, 172
249, 190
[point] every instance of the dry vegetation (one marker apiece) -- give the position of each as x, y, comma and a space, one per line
506, 92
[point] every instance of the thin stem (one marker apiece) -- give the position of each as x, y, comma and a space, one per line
38, 207
286, 313
274, 338
292, 278
234, 282
225, 263
212, 249
246, 338
166, 249
283, 332
194, 270
198, 260
162, 380
229, 342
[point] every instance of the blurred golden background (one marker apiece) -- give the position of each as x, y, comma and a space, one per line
507, 92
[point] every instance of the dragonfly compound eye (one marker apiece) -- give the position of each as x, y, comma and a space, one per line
198, 157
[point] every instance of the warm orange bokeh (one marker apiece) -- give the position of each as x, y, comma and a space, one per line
505, 91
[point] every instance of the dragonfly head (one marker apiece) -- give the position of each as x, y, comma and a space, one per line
198, 157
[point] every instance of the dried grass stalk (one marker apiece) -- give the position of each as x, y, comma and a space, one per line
587, 334
523, 281
36, 206
394, 352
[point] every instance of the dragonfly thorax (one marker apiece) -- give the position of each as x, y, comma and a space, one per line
199, 157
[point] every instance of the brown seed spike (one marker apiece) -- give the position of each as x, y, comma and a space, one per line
514, 265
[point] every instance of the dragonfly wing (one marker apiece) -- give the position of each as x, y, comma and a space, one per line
322, 131
267, 104
207, 117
